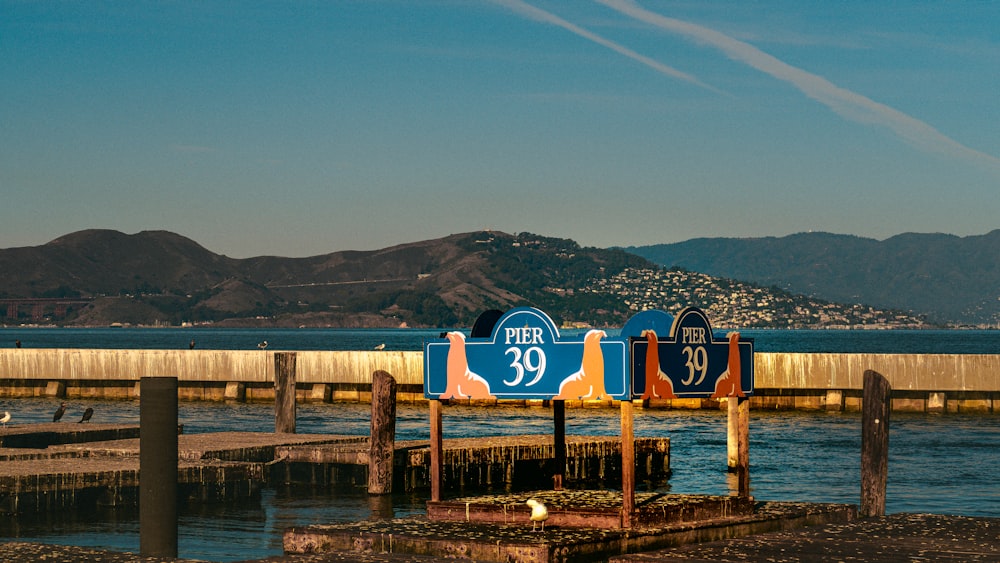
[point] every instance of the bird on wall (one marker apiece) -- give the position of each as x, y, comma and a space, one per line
538, 514
262, 345
191, 344
59, 412
87, 414
5, 419
17, 343
380, 347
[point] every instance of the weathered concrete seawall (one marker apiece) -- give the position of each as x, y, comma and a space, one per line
920, 382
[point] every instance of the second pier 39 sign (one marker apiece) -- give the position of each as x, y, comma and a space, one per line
526, 358
690, 363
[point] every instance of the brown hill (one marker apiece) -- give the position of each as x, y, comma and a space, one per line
106, 276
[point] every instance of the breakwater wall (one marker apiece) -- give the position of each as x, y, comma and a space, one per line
920, 382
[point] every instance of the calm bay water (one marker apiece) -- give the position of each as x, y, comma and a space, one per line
938, 463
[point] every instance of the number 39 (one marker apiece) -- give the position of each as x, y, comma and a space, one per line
533, 360
697, 361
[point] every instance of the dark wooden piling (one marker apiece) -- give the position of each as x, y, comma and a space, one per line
383, 433
436, 451
743, 449
875, 407
284, 392
158, 467
732, 435
628, 464
559, 442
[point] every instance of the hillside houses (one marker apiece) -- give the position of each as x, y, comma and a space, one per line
735, 304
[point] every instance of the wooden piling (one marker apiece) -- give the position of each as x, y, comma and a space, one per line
284, 392
628, 464
436, 447
875, 408
743, 450
559, 442
158, 467
732, 435
383, 433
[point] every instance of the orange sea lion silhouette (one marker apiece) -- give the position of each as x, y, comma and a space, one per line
658, 385
728, 384
588, 383
462, 383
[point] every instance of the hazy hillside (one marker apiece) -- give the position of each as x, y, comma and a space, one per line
100, 277
949, 278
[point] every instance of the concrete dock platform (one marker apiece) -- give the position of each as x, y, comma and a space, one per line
895, 538
590, 508
515, 541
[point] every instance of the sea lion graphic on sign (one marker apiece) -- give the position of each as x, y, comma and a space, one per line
525, 357
463, 383
728, 384
658, 385
588, 382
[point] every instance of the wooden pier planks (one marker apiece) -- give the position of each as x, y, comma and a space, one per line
493, 460
211, 466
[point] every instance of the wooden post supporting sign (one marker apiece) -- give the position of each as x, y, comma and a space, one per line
437, 461
732, 435
743, 451
628, 464
559, 442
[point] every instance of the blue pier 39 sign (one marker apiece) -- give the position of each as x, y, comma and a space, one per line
525, 358
690, 362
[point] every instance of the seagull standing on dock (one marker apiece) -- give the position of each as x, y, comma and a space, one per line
538, 513
5, 419
380, 347
262, 345
59, 412
87, 414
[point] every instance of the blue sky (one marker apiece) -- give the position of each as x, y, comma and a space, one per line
301, 128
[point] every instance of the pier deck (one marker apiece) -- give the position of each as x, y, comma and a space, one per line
521, 461
895, 538
898, 538
514, 541
591, 508
214, 466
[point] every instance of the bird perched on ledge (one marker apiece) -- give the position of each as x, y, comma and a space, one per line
87, 414
59, 412
5, 419
538, 513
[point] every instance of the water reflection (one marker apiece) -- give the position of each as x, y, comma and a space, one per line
938, 463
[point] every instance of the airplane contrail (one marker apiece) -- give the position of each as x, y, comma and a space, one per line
538, 14
844, 102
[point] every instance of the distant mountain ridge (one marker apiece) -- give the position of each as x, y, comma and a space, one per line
948, 278
104, 277
100, 277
